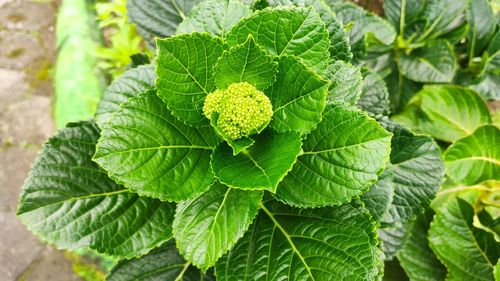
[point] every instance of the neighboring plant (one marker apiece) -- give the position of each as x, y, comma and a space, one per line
261, 150
123, 46
434, 41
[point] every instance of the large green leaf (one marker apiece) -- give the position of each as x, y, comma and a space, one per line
475, 158
205, 228
418, 171
214, 16
482, 25
285, 243
70, 202
164, 263
151, 152
346, 83
339, 41
185, 73
375, 96
469, 253
262, 166
298, 97
245, 63
379, 197
158, 18
416, 257
433, 63
342, 158
446, 113
368, 32
489, 86
287, 31
130, 84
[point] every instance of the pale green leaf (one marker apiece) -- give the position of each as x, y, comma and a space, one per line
342, 158
469, 253
158, 18
214, 16
433, 63
446, 113
245, 63
298, 97
287, 31
285, 243
346, 83
416, 257
164, 263
153, 153
262, 166
65, 192
132, 83
185, 74
475, 158
205, 228
418, 171
489, 86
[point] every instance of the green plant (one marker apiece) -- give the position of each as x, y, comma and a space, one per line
123, 42
324, 187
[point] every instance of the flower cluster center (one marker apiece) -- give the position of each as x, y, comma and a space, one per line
242, 109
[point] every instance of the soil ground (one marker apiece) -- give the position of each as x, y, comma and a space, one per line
27, 55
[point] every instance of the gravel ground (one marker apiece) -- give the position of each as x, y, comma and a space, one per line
27, 54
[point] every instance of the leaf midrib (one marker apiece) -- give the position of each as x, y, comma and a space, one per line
158, 148
288, 238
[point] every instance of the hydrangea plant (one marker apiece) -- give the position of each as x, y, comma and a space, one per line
251, 149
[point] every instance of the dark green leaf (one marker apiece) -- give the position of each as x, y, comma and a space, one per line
393, 238
469, 253
151, 152
442, 16
287, 31
285, 243
185, 74
403, 12
346, 83
375, 96
368, 31
214, 16
245, 63
378, 199
205, 228
161, 264
475, 158
158, 18
434, 63
401, 90
342, 158
130, 84
70, 202
298, 97
418, 172
482, 25
416, 257
262, 166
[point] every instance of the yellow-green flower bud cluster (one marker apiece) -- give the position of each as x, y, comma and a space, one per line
241, 107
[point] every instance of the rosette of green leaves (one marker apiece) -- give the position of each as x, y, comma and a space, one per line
157, 155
